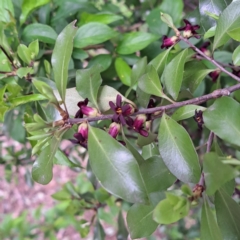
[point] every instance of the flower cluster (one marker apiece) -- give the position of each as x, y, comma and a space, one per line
188, 30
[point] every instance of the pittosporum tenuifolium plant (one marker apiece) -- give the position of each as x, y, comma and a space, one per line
150, 99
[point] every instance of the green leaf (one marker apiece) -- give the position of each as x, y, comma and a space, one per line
156, 175
42, 167
105, 18
61, 56
216, 173
122, 230
210, 32
186, 112
24, 53
138, 70
171, 209
6, 7
212, 6
115, 167
106, 94
28, 6
62, 159
3, 110
142, 97
177, 151
88, 82
135, 41
34, 48
93, 33
123, 71
228, 215
167, 19
223, 119
142, 141
173, 8
98, 231
140, 221
173, 74
150, 150
26, 99
236, 56
228, 24
209, 227
24, 71
159, 61
103, 60
42, 32
150, 83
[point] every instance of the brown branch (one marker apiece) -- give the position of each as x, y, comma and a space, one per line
209, 59
215, 94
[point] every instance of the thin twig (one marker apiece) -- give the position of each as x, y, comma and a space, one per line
209, 59
215, 94
209, 142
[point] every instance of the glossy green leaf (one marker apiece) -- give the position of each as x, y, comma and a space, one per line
45, 90
150, 150
174, 8
173, 74
61, 159
156, 175
211, 6
98, 231
105, 18
115, 167
150, 83
155, 24
166, 18
228, 23
93, 33
142, 97
88, 82
236, 56
140, 221
103, 60
171, 209
210, 32
3, 110
177, 151
142, 141
138, 70
26, 99
228, 215
216, 173
24, 53
209, 226
28, 6
135, 41
123, 71
223, 119
122, 230
24, 71
186, 112
61, 56
160, 61
106, 94
42, 32
42, 167
6, 8
34, 48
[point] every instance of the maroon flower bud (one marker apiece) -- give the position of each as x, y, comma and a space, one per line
139, 121
114, 129
89, 111
168, 42
83, 129
204, 49
214, 75
189, 30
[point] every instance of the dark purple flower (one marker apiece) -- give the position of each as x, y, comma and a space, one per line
189, 30
199, 119
80, 104
236, 72
168, 42
81, 136
151, 104
204, 49
120, 111
214, 75
114, 129
138, 124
